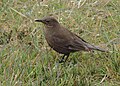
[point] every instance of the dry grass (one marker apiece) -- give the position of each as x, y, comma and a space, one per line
27, 60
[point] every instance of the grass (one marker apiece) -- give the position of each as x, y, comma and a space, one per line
27, 60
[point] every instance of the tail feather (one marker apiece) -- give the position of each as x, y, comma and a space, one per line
93, 47
98, 48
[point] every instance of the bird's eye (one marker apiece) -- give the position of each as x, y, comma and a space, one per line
47, 21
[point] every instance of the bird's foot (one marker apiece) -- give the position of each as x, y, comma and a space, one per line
64, 60
61, 61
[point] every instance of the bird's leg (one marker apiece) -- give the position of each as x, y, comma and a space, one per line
62, 60
66, 57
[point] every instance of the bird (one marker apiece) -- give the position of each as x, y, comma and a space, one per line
62, 40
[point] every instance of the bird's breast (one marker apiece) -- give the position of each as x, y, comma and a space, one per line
49, 37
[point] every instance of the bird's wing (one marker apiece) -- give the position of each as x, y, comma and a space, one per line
62, 45
72, 43
61, 41
78, 43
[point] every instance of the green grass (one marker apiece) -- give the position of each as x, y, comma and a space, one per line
27, 60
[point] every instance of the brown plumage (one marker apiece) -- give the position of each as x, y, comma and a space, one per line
62, 40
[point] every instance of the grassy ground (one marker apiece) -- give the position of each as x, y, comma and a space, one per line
27, 60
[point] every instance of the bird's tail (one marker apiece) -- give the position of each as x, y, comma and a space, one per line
98, 48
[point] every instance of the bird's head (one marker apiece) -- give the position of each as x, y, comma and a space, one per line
48, 21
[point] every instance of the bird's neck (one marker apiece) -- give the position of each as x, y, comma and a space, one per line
51, 29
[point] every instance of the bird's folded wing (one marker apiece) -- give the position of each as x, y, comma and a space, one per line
73, 44
78, 45
60, 41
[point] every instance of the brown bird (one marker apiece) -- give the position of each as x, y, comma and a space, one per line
62, 40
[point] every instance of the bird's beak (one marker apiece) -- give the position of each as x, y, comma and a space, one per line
39, 20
